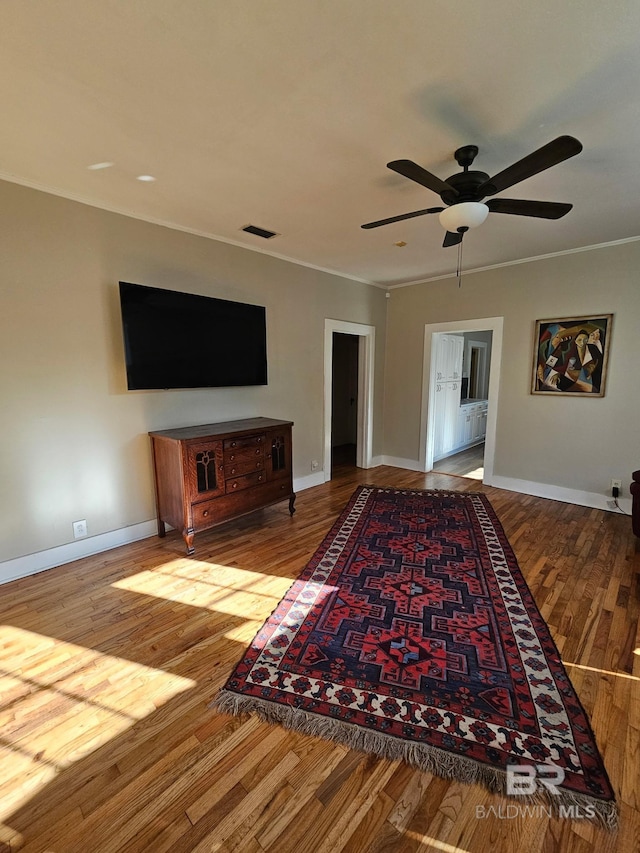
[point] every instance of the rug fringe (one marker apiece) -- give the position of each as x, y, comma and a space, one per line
422, 756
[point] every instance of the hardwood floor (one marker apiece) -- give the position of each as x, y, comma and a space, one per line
109, 664
467, 463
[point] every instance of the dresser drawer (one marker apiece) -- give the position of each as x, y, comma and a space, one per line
205, 514
237, 484
231, 444
243, 460
244, 466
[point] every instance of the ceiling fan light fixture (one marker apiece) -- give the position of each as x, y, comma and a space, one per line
464, 215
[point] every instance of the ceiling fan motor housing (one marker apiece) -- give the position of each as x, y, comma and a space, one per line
467, 184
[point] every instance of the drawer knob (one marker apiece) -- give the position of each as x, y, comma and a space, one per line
232, 456
233, 444
235, 485
257, 452
205, 513
233, 470
260, 478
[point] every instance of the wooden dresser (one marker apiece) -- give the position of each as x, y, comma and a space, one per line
211, 473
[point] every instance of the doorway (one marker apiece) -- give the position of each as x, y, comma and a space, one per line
466, 418
464, 453
478, 367
344, 400
362, 406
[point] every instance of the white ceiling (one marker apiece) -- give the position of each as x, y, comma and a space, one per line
284, 114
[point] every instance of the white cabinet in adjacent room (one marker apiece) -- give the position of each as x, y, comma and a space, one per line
465, 426
449, 355
480, 422
456, 426
448, 376
472, 423
447, 405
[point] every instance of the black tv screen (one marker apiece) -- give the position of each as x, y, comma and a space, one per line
181, 340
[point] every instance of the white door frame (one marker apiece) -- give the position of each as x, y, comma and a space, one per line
366, 354
482, 346
427, 420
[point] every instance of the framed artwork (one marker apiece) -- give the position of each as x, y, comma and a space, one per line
570, 355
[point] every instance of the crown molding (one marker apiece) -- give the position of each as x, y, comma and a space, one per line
516, 262
174, 226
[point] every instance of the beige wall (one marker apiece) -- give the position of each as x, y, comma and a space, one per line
571, 443
74, 440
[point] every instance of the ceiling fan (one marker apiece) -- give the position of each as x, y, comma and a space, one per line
464, 191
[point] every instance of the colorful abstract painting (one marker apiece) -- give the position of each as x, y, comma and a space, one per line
570, 355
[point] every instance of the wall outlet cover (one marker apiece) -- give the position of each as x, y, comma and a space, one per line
79, 529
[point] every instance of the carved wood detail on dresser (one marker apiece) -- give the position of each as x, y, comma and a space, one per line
212, 473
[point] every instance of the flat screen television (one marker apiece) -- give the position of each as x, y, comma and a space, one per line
182, 340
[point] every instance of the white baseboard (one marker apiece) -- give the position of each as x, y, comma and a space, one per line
30, 564
558, 493
529, 487
308, 482
398, 462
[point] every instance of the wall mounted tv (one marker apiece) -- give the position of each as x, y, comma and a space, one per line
182, 340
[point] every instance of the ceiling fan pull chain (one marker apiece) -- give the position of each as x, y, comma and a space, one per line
460, 263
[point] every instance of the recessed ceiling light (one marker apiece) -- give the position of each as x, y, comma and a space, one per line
146, 178
97, 166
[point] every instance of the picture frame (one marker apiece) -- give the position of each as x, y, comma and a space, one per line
570, 355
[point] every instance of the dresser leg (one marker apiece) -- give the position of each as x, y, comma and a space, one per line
292, 500
162, 530
188, 535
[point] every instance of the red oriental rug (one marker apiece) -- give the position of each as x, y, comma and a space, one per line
412, 634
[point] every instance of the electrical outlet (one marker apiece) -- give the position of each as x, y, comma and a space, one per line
616, 484
80, 529
314, 465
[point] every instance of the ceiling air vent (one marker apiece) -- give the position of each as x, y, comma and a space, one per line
259, 232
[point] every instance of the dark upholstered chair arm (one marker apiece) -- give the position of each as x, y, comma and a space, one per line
634, 488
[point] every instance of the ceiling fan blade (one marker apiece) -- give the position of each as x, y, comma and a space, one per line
553, 152
519, 207
416, 173
401, 217
452, 238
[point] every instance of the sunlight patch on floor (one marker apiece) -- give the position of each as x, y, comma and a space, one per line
435, 844
602, 671
9, 837
246, 632
46, 678
225, 589
476, 474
